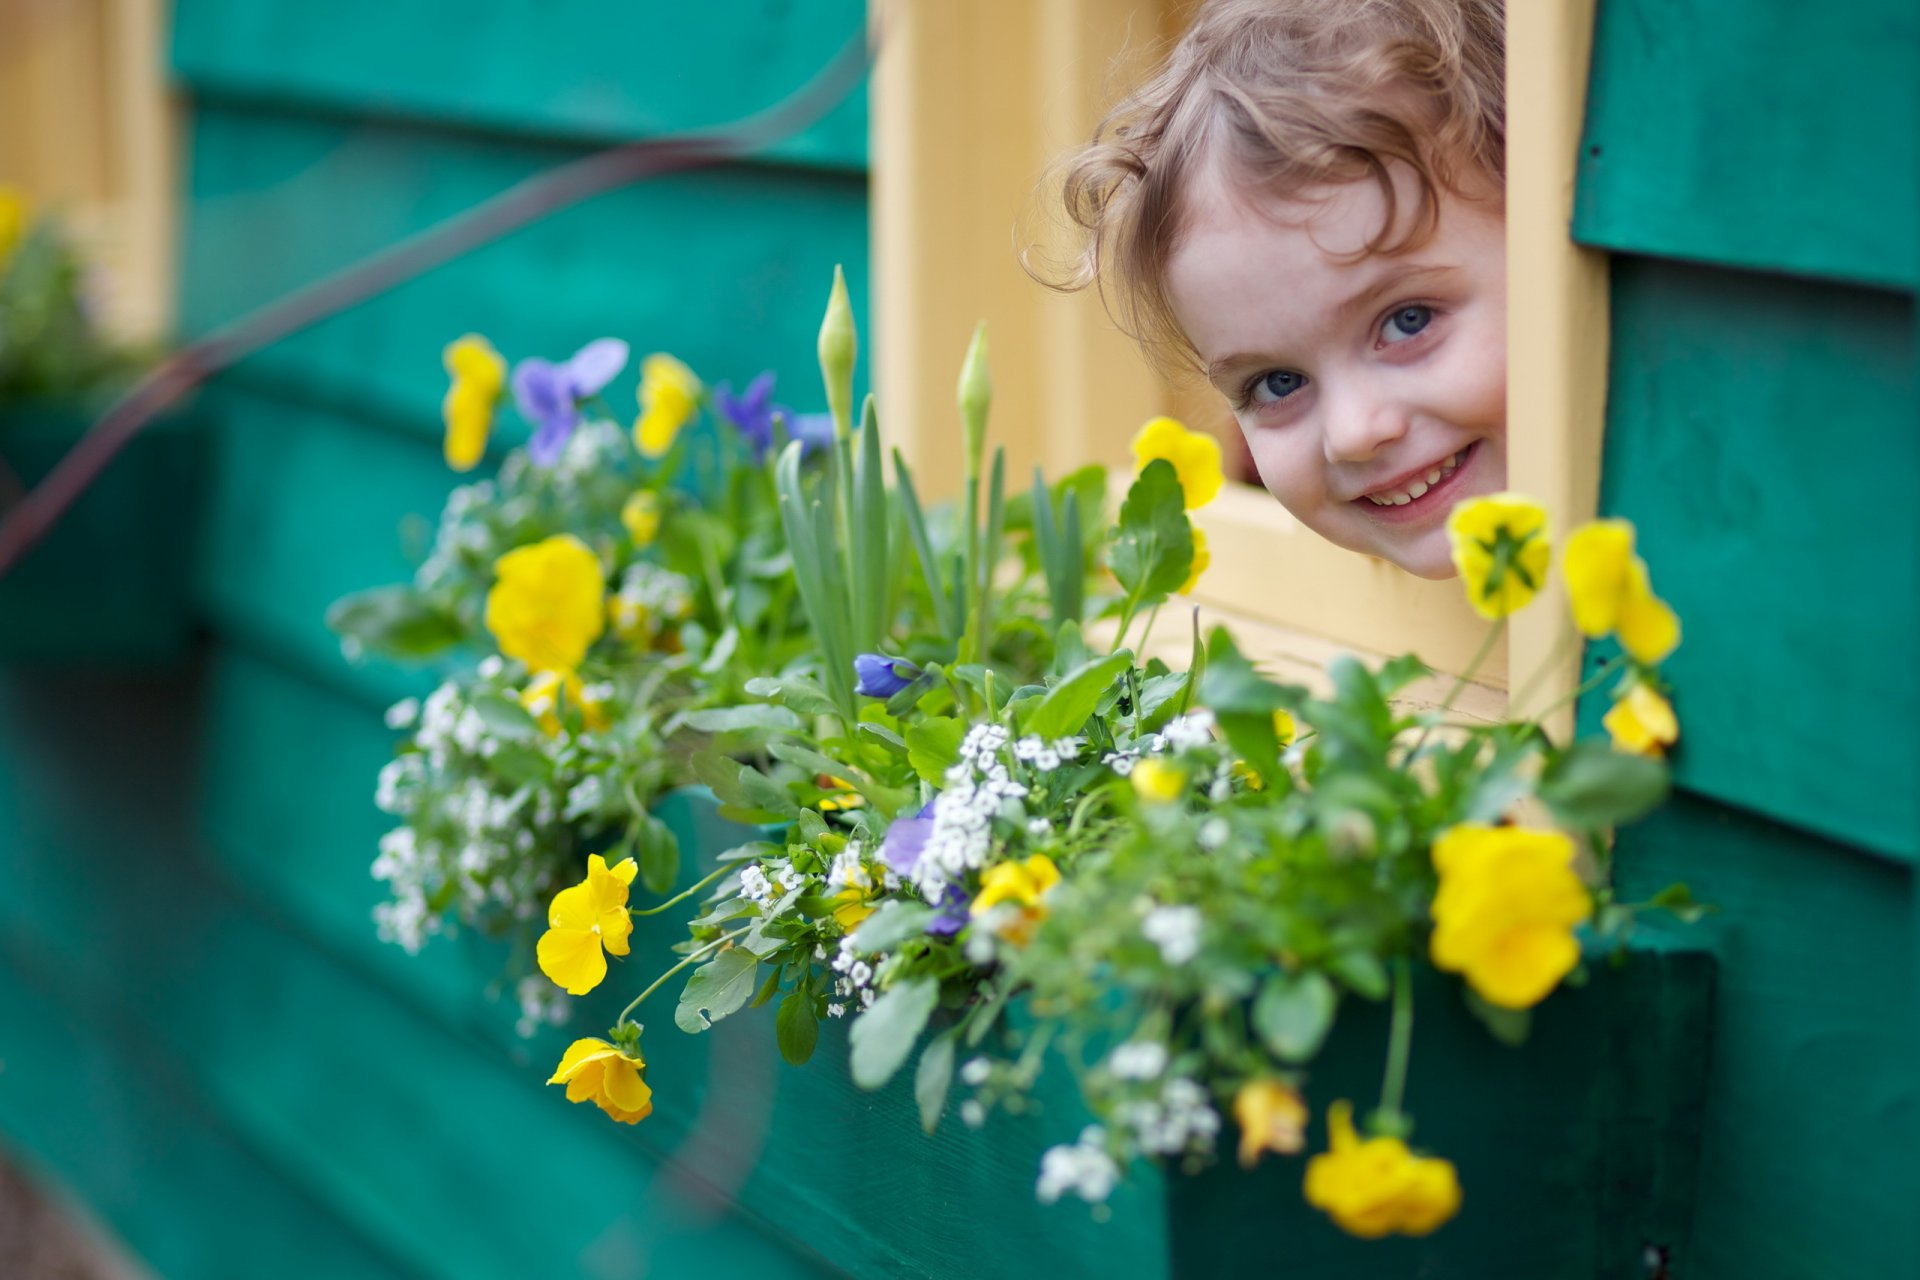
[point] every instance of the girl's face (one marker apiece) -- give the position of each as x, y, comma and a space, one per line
1372, 390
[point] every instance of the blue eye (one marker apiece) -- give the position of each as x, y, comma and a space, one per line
1405, 323
1277, 385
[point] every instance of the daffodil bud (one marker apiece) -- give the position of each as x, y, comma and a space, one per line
839, 347
975, 395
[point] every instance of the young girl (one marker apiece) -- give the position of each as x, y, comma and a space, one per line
1307, 203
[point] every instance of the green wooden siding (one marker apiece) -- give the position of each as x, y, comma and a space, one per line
1761, 431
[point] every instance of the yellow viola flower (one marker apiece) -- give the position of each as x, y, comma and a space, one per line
603, 1074
1023, 884
585, 920
1157, 781
1378, 1187
547, 604
16, 215
641, 516
669, 399
543, 695
1195, 456
853, 909
1642, 723
1284, 727
1610, 591
1271, 1117
1202, 560
1506, 910
479, 379
1500, 548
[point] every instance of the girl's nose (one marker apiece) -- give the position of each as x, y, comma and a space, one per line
1359, 426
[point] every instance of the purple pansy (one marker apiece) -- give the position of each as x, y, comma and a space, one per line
953, 915
906, 840
753, 414
878, 676
549, 394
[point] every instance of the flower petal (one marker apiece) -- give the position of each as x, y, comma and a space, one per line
594, 366
572, 959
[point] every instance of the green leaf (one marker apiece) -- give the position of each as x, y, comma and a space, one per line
1397, 673
505, 718
1362, 972
1069, 649
1293, 1014
717, 988
1509, 1026
395, 622
744, 789
796, 692
752, 715
1152, 550
796, 1027
1068, 704
520, 763
657, 850
1592, 785
1232, 685
884, 1035
1678, 899
893, 923
933, 746
934, 1077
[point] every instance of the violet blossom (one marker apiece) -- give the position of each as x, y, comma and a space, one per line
754, 412
878, 676
549, 394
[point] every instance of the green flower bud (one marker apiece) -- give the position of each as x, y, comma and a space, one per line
975, 395
839, 346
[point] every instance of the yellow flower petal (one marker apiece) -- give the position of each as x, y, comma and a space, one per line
669, 399
1505, 911
1272, 1117
641, 516
472, 360
607, 1076
1202, 561
572, 958
856, 908
1195, 456
1500, 547
1377, 1187
1642, 723
547, 606
1649, 629
1157, 781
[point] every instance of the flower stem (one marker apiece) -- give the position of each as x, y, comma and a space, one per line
684, 894
1400, 1044
1460, 683
692, 958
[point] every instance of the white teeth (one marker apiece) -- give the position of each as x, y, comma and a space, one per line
1419, 487
1433, 476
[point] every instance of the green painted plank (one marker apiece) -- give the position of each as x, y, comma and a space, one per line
450, 1154
1813, 1113
575, 68
1755, 133
727, 268
148, 1159
1761, 434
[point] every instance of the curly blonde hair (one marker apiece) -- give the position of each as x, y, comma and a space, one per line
1291, 95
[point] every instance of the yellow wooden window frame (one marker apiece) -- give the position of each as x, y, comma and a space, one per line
971, 103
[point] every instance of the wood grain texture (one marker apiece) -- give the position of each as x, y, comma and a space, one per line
1755, 133
1761, 435
571, 68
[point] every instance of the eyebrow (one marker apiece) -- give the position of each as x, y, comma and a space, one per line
1365, 300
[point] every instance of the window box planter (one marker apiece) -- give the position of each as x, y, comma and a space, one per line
109, 583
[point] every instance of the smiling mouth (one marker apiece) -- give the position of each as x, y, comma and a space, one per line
1423, 492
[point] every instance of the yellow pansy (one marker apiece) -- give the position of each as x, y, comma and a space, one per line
1506, 909
479, 378
1022, 884
1642, 723
1271, 1117
641, 516
1500, 547
1284, 728
1195, 456
1202, 560
16, 215
1157, 781
853, 908
547, 604
583, 921
605, 1075
543, 695
1378, 1187
1610, 591
669, 399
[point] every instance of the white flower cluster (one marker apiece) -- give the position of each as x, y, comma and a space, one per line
1085, 1169
1046, 756
755, 887
1181, 1119
1138, 1060
1189, 732
848, 872
1175, 930
855, 982
594, 447
404, 918
978, 789
541, 1004
648, 590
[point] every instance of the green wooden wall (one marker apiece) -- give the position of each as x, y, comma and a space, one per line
204, 1039
1751, 166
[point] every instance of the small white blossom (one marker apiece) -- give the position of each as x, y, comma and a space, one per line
755, 887
490, 667
1175, 930
1084, 1169
836, 1010
1189, 732
972, 1113
1214, 832
403, 713
976, 1071
1138, 1060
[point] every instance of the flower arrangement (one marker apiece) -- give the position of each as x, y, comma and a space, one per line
995, 833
